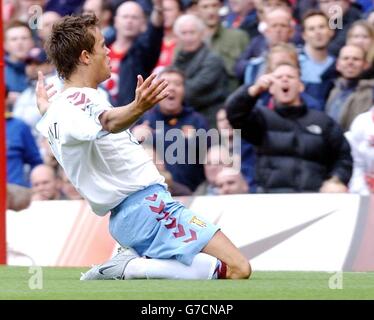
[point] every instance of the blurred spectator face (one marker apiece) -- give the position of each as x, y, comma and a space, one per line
44, 183
317, 33
351, 62
173, 104
129, 21
217, 157
208, 11
48, 19
359, 36
32, 69
25, 5
18, 42
93, 7
263, 7
286, 86
279, 26
101, 11
223, 124
258, 4
329, 7
241, 7
37, 61
171, 12
230, 181
281, 57
28, 3
190, 33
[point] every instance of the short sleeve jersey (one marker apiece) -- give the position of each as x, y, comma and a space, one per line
104, 167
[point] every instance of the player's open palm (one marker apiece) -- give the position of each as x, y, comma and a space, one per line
150, 92
43, 93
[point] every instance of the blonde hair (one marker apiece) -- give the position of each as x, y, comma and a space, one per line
287, 48
370, 30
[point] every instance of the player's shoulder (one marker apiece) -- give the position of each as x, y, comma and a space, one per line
84, 98
79, 97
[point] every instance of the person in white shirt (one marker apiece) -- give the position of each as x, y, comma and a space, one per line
361, 139
105, 163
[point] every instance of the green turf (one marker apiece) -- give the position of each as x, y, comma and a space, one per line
63, 283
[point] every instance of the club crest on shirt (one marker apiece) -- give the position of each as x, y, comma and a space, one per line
198, 222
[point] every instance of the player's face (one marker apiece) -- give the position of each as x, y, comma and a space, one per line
101, 58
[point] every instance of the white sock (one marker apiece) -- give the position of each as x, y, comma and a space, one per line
202, 267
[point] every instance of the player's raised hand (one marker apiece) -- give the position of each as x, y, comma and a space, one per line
150, 91
43, 93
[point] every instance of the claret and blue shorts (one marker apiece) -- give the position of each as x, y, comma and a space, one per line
156, 226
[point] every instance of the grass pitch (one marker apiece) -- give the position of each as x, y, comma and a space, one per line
63, 283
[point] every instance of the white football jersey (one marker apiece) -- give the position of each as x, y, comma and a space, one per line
361, 139
105, 168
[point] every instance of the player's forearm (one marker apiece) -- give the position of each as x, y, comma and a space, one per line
148, 93
121, 118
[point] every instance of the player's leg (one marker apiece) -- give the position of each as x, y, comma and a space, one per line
200, 248
182, 234
237, 265
218, 259
156, 227
128, 265
203, 267
173, 233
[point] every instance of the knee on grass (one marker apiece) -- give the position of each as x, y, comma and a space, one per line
241, 270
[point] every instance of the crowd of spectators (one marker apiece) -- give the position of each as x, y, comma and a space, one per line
296, 77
